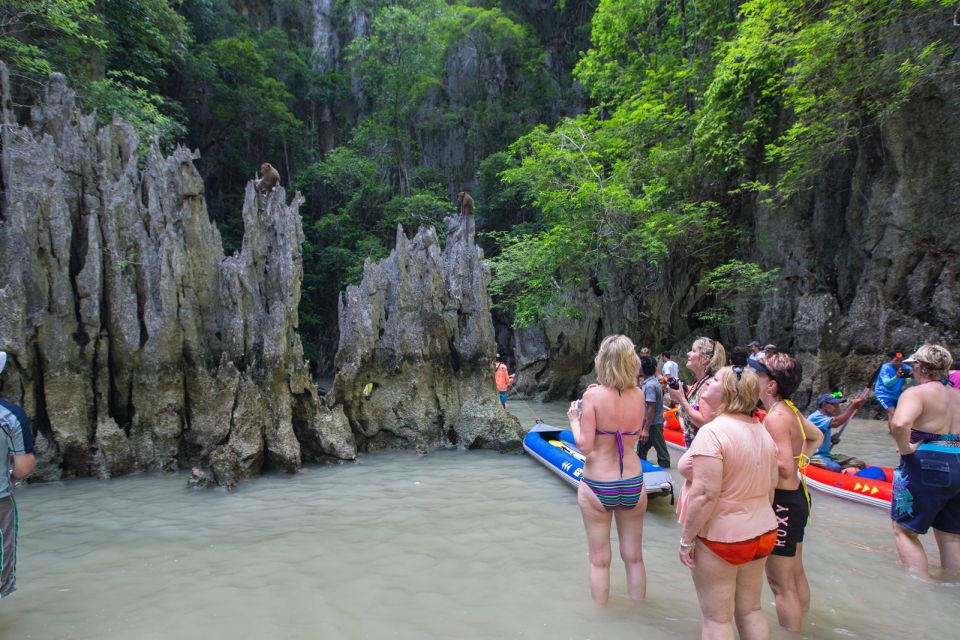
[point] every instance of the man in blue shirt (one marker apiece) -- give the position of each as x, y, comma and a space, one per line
827, 417
16, 455
891, 380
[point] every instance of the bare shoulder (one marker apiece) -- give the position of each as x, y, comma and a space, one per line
915, 393
779, 423
594, 391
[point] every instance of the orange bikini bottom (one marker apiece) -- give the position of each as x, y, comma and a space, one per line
744, 551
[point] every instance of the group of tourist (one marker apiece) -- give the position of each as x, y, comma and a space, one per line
744, 505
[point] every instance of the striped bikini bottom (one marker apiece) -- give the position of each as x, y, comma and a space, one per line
617, 494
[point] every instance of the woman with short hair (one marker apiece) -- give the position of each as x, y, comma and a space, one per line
606, 429
704, 359
729, 527
796, 439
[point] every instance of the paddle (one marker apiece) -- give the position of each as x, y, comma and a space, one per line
566, 448
835, 439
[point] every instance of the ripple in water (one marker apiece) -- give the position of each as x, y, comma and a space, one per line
452, 544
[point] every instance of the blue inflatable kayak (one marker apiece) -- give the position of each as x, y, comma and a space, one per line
556, 449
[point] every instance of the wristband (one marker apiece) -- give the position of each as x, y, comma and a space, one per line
685, 545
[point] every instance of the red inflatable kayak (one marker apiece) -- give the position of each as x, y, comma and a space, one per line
673, 430
876, 493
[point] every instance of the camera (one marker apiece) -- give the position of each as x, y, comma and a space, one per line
580, 406
673, 383
903, 372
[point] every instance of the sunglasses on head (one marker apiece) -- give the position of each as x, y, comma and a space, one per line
709, 351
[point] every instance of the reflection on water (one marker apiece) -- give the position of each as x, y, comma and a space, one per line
451, 544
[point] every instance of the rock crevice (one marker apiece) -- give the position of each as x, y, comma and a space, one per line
135, 343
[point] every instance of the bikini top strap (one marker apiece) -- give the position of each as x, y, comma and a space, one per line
619, 436
802, 459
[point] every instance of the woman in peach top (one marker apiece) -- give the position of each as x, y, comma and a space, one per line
729, 527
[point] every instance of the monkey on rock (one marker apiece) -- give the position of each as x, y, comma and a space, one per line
465, 202
269, 180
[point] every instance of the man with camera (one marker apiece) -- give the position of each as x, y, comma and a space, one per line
891, 381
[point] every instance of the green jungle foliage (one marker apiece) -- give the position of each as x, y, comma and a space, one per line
361, 133
700, 107
597, 136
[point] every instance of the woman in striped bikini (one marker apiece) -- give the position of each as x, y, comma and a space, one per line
606, 428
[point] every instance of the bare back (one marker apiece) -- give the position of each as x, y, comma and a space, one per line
931, 407
606, 409
782, 425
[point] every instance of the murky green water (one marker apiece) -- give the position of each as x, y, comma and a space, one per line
447, 545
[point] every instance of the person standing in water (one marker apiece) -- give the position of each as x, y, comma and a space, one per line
891, 381
651, 435
926, 485
606, 428
501, 375
729, 528
796, 439
705, 358
16, 452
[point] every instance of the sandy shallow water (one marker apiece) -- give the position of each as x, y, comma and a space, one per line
465, 544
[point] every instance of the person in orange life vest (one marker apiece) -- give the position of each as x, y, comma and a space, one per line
503, 379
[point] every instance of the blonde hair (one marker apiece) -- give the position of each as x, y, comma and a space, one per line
936, 360
617, 363
741, 389
713, 350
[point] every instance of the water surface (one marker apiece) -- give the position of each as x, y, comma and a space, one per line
452, 544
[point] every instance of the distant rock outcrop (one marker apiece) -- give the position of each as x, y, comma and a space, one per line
134, 343
417, 334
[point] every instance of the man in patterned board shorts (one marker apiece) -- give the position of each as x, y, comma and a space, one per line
16, 452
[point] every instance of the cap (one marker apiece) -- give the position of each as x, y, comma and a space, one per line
829, 398
931, 354
754, 343
770, 346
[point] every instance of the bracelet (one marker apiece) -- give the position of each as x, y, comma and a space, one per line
685, 545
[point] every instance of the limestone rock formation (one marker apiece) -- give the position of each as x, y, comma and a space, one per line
418, 330
868, 260
134, 343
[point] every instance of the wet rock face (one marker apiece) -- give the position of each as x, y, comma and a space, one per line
868, 260
870, 255
417, 335
135, 344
